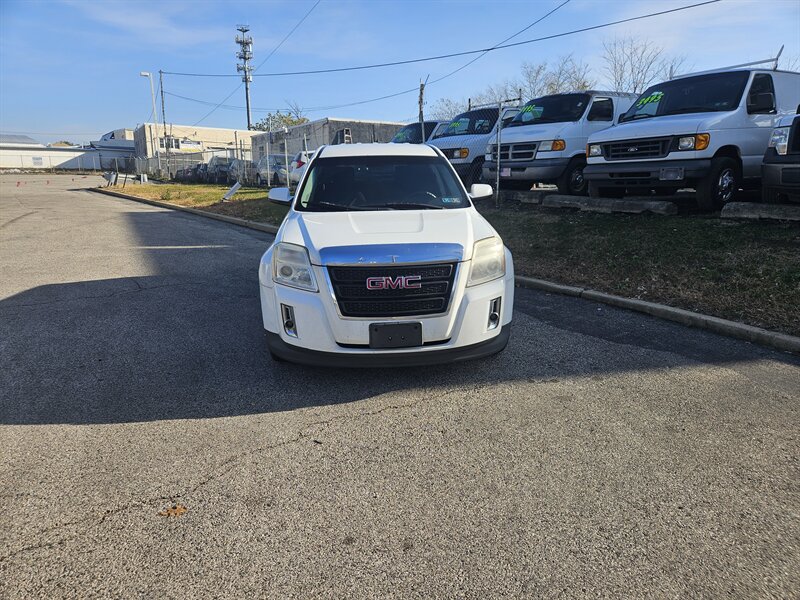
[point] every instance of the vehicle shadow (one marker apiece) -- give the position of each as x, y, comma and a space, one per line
186, 342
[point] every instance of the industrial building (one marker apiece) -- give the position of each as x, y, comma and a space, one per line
317, 133
190, 139
24, 153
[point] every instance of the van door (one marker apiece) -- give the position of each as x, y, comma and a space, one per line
599, 117
761, 112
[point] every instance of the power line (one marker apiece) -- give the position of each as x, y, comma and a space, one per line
274, 50
395, 94
455, 54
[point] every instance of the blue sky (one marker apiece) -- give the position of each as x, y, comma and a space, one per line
70, 69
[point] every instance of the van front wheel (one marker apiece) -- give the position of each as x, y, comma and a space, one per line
720, 185
572, 182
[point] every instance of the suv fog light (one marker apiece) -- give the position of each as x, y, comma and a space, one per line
494, 314
289, 324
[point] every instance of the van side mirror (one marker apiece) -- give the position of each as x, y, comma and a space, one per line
763, 103
280, 196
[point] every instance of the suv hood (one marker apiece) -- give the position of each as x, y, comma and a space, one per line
658, 127
386, 236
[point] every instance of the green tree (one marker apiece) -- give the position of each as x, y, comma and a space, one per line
277, 121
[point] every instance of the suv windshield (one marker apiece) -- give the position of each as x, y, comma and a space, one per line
478, 122
714, 92
380, 183
552, 109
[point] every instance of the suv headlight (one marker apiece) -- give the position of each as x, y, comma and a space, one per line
488, 261
780, 140
461, 153
291, 266
552, 146
595, 150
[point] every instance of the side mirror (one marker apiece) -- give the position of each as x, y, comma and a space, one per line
479, 191
763, 103
280, 196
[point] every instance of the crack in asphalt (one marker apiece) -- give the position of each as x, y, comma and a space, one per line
221, 470
7, 223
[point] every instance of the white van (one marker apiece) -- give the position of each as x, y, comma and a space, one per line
546, 141
464, 139
706, 131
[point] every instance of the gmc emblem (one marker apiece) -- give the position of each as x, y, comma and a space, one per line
403, 282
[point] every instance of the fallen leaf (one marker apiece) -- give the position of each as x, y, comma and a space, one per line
173, 511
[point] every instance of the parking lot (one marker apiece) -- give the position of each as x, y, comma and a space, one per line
604, 453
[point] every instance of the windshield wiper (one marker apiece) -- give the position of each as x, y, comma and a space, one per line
634, 117
409, 205
333, 205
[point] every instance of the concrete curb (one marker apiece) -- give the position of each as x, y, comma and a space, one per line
202, 213
756, 335
753, 211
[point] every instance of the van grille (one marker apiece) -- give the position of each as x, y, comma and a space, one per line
634, 149
514, 151
794, 137
355, 300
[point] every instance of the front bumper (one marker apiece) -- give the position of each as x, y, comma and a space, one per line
541, 170
781, 174
647, 174
304, 356
462, 332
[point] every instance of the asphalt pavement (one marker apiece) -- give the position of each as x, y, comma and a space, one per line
604, 454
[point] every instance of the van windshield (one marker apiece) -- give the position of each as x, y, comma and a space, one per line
714, 92
552, 109
410, 133
380, 183
478, 122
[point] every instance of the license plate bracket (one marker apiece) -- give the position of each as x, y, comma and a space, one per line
671, 174
395, 335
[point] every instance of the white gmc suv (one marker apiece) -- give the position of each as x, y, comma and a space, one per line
382, 260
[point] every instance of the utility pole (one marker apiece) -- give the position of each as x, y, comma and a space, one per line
421, 117
163, 117
245, 55
155, 117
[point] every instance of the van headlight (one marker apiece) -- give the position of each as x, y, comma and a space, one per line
488, 261
780, 140
595, 150
291, 266
694, 142
552, 146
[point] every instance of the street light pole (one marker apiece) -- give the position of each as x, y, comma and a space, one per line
155, 116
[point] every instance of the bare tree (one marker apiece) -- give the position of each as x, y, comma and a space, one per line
632, 64
790, 63
445, 109
567, 75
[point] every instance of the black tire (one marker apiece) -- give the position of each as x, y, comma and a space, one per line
571, 182
720, 185
595, 191
474, 174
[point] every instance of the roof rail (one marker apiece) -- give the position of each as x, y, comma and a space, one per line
774, 62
